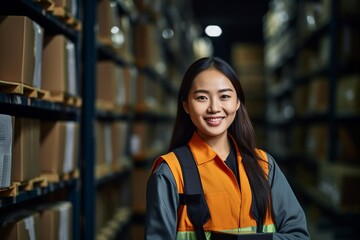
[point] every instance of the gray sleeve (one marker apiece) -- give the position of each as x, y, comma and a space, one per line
289, 216
162, 203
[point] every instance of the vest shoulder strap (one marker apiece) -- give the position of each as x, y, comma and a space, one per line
193, 196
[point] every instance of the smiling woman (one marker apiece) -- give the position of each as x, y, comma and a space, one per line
243, 187
212, 104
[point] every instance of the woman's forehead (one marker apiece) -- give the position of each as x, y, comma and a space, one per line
211, 79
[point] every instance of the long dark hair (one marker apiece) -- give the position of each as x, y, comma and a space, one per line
241, 129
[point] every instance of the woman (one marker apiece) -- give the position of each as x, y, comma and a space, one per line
236, 176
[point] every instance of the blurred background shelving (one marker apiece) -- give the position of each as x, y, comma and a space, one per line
88, 93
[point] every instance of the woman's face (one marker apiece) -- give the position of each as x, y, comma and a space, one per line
212, 103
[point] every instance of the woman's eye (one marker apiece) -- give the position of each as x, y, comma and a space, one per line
201, 98
224, 97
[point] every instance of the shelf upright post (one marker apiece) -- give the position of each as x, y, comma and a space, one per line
333, 66
87, 152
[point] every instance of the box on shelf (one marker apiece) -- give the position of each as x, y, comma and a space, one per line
307, 62
6, 145
59, 69
26, 150
110, 86
247, 56
59, 147
140, 141
300, 99
337, 183
119, 142
147, 48
145, 93
106, 203
109, 31
316, 142
349, 44
139, 180
103, 131
348, 95
298, 139
318, 95
55, 221
22, 225
21, 42
253, 84
114, 29
130, 76
348, 143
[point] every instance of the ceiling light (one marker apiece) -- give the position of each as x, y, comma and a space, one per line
213, 31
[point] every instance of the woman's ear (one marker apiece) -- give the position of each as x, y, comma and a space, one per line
186, 107
238, 104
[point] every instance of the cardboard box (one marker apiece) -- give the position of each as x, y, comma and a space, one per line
63, 3
26, 150
348, 143
119, 141
147, 46
56, 221
109, 29
145, 92
21, 50
337, 183
130, 75
59, 147
300, 99
106, 204
110, 87
59, 65
247, 55
348, 95
349, 44
21, 227
6, 145
318, 95
139, 182
317, 142
103, 131
141, 138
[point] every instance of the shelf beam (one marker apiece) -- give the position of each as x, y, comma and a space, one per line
87, 163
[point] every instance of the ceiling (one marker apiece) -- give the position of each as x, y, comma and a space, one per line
240, 20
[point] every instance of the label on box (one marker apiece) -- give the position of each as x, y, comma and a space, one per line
69, 147
6, 135
30, 227
107, 143
120, 88
38, 46
64, 220
70, 48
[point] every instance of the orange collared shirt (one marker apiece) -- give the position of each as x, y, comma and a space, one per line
229, 203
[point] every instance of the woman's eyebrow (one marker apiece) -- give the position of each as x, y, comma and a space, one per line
220, 91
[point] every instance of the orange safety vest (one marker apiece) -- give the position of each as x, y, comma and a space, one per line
229, 204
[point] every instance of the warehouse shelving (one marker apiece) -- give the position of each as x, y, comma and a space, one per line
81, 188
315, 164
20, 105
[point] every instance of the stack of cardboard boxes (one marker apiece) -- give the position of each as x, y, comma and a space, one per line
36, 65
248, 62
49, 221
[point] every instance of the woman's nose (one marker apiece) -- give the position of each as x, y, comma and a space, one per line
214, 106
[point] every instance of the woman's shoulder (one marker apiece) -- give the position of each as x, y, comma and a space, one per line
169, 158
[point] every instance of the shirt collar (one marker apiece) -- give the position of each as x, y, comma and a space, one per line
202, 152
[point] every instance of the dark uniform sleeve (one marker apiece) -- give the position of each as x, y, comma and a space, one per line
289, 216
162, 202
